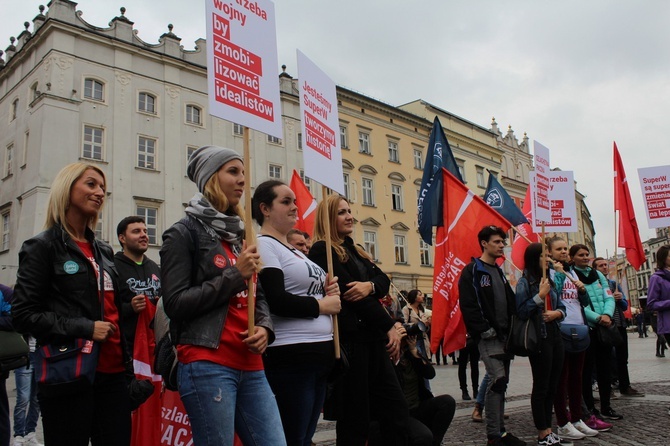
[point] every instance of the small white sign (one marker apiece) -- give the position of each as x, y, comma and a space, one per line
563, 202
655, 185
242, 67
540, 184
320, 125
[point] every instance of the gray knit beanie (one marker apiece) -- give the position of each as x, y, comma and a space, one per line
206, 161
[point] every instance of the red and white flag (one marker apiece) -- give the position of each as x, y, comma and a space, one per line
629, 233
519, 244
464, 214
306, 204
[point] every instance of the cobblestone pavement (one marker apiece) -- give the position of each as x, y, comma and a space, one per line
646, 420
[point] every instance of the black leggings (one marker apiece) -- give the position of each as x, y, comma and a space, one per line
469, 354
436, 413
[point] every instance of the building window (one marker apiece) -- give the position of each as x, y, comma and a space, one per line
99, 228
396, 197
370, 244
5, 231
299, 141
418, 159
193, 115
274, 140
189, 152
344, 142
150, 215
480, 177
306, 180
92, 143
146, 153
461, 169
364, 142
238, 130
8, 167
368, 191
274, 171
34, 93
93, 90
15, 110
424, 252
147, 103
393, 152
400, 249
347, 193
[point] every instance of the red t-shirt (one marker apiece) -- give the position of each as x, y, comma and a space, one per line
232, 352
111, 356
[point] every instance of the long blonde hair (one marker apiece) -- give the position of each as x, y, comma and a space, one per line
214, 194
59, 197
332, 204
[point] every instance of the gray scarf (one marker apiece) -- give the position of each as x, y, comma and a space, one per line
229, 228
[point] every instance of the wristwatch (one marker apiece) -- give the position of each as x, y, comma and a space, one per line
373, 288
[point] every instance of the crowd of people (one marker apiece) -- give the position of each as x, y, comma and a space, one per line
264, 375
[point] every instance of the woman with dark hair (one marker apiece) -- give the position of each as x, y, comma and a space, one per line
369, 336
536, 296
205, 268
415, 314
301, 305
572, 294
598, 311
658, 292
61, 296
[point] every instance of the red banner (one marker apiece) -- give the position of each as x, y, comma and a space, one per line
629, 234
306, 204
464, 214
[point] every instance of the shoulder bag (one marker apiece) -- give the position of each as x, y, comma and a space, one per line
13, 351
524, 336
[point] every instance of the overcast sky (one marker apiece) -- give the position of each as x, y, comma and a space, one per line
574, 75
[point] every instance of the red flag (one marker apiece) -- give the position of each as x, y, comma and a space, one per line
629, 233
519, 244
464, 214
306, 204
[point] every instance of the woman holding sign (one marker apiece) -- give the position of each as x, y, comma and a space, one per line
301, 303
369, 337
205, 268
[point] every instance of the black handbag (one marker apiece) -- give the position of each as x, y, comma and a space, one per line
575, 337
13, 351
608, 336
524, 336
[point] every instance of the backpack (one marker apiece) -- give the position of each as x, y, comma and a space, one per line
165, 354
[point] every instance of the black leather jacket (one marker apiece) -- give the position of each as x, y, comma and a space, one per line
56, 296
197, 303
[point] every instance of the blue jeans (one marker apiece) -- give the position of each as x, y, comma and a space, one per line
27, 409
221, 400
481, 393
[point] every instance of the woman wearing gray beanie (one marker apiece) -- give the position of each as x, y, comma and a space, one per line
205, 267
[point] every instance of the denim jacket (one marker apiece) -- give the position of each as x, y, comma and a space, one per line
529, 302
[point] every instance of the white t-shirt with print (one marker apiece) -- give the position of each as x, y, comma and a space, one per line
570, 298
302, 277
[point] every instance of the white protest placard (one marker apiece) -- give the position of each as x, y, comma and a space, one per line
320, 125
563, 202
242, 66
540, 187
655, 185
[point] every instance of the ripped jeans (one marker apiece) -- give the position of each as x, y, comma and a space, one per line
221, 400
497, 368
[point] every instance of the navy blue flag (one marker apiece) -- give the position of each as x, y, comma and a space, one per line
498, 198
429, 205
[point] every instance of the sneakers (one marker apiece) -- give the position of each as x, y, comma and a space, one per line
31, 440
611, 414
597, 424
477, 414
510, 440
553, 440
631, 393
584, 429
19, 440
570, 432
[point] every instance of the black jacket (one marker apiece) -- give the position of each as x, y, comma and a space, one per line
135, 279
56, 296
197, 301
365, 319
476, 301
